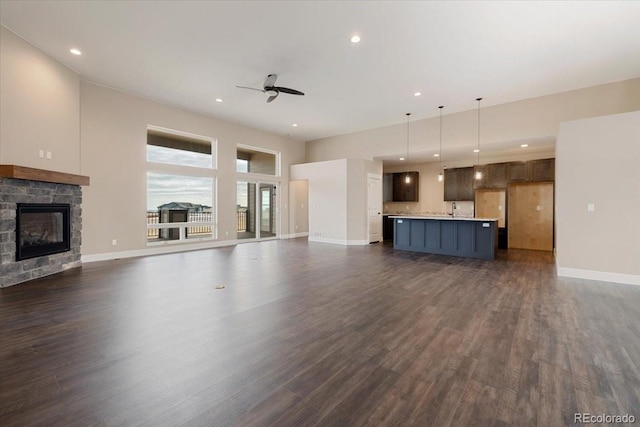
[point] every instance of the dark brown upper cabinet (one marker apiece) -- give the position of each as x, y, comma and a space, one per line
518, 171
387, 187
534, 170
458, 184
493, 176
542, 170
404, 191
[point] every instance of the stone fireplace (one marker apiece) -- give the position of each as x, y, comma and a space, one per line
40, 223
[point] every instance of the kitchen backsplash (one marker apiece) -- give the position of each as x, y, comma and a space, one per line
463, 209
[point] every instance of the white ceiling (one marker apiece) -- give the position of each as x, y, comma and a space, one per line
190, 53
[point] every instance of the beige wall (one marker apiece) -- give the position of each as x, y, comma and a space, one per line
527, 119
327, 189
337, 194
39, 108
357, 198
298, 208
114, 129
597, 162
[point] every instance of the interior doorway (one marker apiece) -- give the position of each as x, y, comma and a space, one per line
374, 205
530, 215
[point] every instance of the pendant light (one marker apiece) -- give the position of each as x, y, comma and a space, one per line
478, 172
407, 179
440, 175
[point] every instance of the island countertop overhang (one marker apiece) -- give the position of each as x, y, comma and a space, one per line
446, 218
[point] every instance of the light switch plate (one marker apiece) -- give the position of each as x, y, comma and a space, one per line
591, 207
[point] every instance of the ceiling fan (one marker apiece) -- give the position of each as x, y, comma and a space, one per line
271, 90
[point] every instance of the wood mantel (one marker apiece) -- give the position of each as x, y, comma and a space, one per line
21, 172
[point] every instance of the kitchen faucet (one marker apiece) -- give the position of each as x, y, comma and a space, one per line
453, 211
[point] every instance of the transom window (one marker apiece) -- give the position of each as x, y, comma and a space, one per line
253, 160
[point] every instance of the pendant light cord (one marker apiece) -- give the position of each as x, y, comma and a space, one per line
408, 114
478, 147
440, 153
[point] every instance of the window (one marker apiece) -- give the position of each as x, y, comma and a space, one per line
179, 150
252, 160
181, 182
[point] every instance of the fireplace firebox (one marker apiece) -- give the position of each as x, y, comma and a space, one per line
42, 229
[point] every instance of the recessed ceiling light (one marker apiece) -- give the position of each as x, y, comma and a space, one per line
417, 94
436, 155
401, 158
218, 100
476, 151
524, 145
75, 51
355, 39
295, 125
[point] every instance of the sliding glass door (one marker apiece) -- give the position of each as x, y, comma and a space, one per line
256, 211
267, 210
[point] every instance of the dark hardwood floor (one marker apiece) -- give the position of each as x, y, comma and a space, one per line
310, 334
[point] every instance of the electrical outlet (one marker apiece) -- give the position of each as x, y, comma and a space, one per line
41, 154
114, 242
591, 207
538, 208
296, 227
226, 233
49, 155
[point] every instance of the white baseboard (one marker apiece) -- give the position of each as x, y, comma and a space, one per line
294, 235
156, 250
343, 242
627, 279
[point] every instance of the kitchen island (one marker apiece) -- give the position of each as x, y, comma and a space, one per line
465, 237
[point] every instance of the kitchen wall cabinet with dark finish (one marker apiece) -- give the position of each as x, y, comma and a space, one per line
542, 170
458, 184
387, 187
404, 191
532, 171
494, 176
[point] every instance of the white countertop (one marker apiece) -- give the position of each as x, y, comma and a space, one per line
445, 218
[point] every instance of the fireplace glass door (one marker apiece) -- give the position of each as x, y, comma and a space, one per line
42, 229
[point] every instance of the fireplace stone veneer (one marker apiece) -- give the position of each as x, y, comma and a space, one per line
14, 191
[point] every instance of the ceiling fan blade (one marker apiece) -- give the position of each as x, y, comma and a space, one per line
270, 80
289, 91
252, 88
272, 97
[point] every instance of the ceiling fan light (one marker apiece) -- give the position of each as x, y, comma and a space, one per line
271, 92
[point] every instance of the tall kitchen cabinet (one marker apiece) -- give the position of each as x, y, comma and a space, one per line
530, 215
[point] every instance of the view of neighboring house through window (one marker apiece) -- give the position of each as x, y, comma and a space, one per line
181, 178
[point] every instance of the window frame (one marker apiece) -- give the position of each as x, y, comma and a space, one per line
186, 170
262, 176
